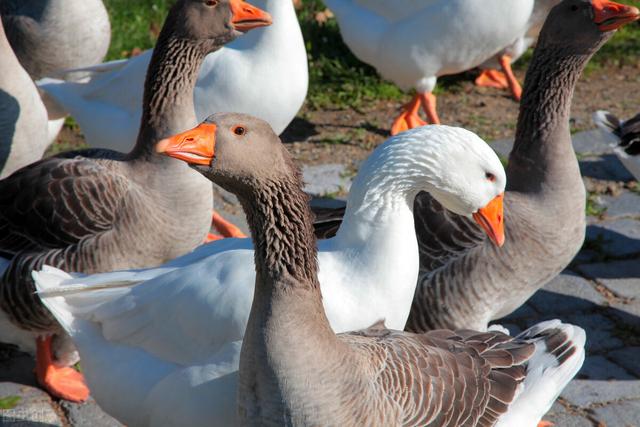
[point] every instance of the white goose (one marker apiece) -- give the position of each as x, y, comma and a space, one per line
506, 80
413, 42
264, 74
148, 337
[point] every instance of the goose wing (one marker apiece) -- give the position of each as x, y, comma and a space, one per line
58, 201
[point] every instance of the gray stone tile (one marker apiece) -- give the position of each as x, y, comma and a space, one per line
621, 277
567, 293
625, 205
628, 358
502, 147
584, 393
618, 238
325, 179
591, 142
605, 167
88, 414
619, 414
568, 420
599, 330
600, 368
33, 409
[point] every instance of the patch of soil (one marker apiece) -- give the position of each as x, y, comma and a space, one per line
341, 136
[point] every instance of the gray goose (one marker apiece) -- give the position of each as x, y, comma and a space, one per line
98, 210
295, 371
50, 36
465, 280
23, 117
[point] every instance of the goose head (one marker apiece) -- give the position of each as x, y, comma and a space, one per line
235, 151
583, 25
214, 22
464, 174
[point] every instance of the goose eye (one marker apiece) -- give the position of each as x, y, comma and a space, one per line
491, 177
239, 130
574, 7
211, 3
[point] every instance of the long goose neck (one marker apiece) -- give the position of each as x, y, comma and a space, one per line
167, 106
281, 226
542, 156
387, 183
285, 23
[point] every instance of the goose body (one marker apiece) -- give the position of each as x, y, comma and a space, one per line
23, 117
294, 370
367, 272
263, 74
415, 42
627, 138
50, 36
100, 210
465, 281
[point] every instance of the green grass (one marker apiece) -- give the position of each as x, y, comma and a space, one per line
337, 79
9, 402
134, 24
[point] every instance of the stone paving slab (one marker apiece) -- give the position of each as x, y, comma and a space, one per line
33, 409
621, 277
617, 239
626, 204
619, 414
587, 393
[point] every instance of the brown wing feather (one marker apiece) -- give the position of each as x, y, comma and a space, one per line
57, 201
445, 378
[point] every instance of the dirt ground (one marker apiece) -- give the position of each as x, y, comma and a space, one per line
349, 135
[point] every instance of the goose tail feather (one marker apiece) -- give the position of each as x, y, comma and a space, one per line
558, 356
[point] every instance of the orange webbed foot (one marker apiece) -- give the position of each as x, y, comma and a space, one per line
544, 423
492, 78
62, 382
409, 118
211, 237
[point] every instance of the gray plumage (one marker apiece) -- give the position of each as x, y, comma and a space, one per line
23, 117
49, 36
295, 371
99, 210
465, 280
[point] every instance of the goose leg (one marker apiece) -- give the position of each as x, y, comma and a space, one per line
492, 78
63, 382
409, 118
224, 227
544, 423
429, 106
514, 85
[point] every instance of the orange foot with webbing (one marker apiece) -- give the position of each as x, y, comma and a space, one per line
62, 382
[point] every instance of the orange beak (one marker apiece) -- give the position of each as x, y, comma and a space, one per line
195, 146
246, 17
610, 16
491, 219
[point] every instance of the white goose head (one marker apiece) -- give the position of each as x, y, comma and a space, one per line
454, 165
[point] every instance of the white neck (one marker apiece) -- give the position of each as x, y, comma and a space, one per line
384, 190
285, 26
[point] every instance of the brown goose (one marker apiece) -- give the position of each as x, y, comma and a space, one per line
99, 210
466, 281
295, 371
